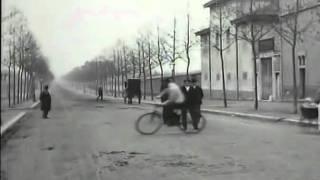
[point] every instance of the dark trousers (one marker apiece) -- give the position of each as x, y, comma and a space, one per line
169, 116
100, 96
45, 113
195, 113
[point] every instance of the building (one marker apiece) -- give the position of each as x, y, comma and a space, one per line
269, 19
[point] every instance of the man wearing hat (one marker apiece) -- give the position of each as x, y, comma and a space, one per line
45, 100
195, 96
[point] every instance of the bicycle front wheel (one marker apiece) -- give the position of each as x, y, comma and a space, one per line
149, 123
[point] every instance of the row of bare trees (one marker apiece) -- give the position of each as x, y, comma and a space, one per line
22, 58
150, 53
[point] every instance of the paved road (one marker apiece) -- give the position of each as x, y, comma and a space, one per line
85, 140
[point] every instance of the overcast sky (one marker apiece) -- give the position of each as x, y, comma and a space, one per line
73, 31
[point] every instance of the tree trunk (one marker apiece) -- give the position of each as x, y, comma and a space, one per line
295, 33
14, 80
21, 84
118, 74
159, 58
133, 66
144, 74
253, 41
237, 63
150, 70
9, 85
188, 47
210, 75
122, 74
139, 60
25, 85
174, 51
295, 90
18, 87
223, 80
222, 60
125, 65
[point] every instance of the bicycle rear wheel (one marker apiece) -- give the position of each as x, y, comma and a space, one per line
149, 123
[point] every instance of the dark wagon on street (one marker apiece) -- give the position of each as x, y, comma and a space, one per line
132, 89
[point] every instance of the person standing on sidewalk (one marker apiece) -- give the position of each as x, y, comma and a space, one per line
45, 100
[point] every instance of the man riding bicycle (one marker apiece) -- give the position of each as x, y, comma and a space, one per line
175, 98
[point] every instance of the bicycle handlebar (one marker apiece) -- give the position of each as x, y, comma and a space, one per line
157, 105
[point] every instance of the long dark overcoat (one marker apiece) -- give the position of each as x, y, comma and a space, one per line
45, 100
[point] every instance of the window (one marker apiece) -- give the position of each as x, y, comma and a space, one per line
218, 77
229, 76
244, 75
302, 60
266, 45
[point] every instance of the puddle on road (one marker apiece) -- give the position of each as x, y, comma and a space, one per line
115, 161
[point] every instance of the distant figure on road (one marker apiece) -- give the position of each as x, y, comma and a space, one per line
45, 100
125, 92
100, 94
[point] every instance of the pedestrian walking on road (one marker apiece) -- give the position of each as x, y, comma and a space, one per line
100, 94
45, 100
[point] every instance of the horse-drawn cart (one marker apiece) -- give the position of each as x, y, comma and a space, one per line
132, 89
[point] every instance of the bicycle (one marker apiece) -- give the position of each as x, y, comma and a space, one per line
151, 122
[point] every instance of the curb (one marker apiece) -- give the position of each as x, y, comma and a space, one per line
17, 118
246, 115
12, 122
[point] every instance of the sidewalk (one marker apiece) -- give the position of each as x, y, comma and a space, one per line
9, 116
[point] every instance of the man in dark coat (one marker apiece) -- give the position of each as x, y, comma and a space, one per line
195, 101
186, 90
45, 100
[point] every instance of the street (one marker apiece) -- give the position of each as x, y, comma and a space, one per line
86, 140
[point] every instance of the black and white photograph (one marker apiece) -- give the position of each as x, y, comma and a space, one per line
160, 90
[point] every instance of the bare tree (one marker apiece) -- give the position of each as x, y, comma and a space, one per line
252, 30
223, 41
290, 29
150, 69
159, 56
170, 51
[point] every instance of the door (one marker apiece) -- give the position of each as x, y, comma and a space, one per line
266, 78
302, 85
